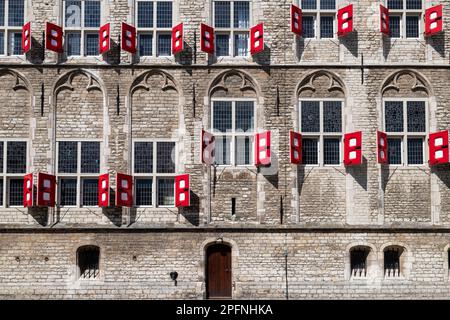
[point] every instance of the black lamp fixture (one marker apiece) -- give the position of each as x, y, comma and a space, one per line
174, 276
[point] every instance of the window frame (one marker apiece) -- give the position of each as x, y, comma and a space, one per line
317, 14
6, 177
232, 31
78, 175
322, 135
406, 134
154, 31
7, 30
403, 13
154, 175
79, 274
235, 134
82, 30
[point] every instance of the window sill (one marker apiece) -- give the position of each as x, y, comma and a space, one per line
14, 59
84, 59
407, 167
156, 60
233, 60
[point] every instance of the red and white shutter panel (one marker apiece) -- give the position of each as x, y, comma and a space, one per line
257, 39
208, 148
53, 37
26, 38
295, 142
103, 190
124, 190
352, 148
345, 20
207, 38
382, 147
433, 20
384, 20
296, 20
177, 39
262, 148
128, 38
104, 38
182, 191
46, 190
28, 190
438, 148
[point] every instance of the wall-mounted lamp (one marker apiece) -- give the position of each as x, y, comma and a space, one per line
174, 276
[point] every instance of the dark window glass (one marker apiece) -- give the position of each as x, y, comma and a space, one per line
67, 157
68, 192
145, 14
1, 156
1, 191
395, 151
88, 262
73, 44
331, 148
15, 46
416, 116
310, 116
308, 27
412, 26
395, 4
2, 13
15, 13
144, 192
166, 192
309, 4
165, 157
222, 150
145, 45
164, 14
222, 14
90, 192
164, 44
222, 121
414, 4
327, 4
243, 150
415, 151
332, 116
16, 157
241, 44
392, 262
242, 14
358, 262
222, 45
91, 45
90, 157
2, 41
15, 192
310, 151
143, 157
326, 27
394, 116
394, 26
244, 116
92, 14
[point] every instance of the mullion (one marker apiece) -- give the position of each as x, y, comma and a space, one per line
5, 179
154, 176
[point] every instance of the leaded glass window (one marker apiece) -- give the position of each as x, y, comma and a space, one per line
405, 122
13, 166
82, 20
232, 19
12, 17
319, 18
154, 161
405, 18
233, 124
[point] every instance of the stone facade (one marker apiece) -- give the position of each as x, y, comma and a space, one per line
302, 218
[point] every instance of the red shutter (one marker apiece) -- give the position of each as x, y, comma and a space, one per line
104, 39
345, 20
182, 193
295, 142
28, 190
128, 38
26, 38
262, 148
46, 190
384, 20
207, 40
382, 147
296, 20
438, 148
352, 148
257, 39
433, 20
124, 190
53, 37
208, 148
177, 39
103, 190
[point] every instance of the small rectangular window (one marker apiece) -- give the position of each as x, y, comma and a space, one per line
164, 44
1, 156
415, 151
222, 14
309, 4
395, 4
144, 192
90, 192
67, 157
90, 157
416, 116
88, 262
68, 192
143, 157
164, 14
145, 45
414, 4
310, 151
92, 48
16, 157
394, 116
2, 41
222, 121
244, 116
244, 150
1, 191
73, 43
327, 4
15, 13
332, 116
165, 192
15, 43
73, 13
331, 151
15, 192
308, 27
392, 262
92, 14
310, 111
395, 151
241, 44
2, 12
165, 152
222, 150
241, 14
145, 14
412, 26
222, 45
326, 27
394, 26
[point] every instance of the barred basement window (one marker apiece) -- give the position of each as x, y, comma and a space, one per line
12, 13
392, 267
232, 20
358, 261
405, 123
154, 172
233, 123
82, 20
321, 127
78, 169
88, 260
154, 27
13, 165
405, 18
318, 18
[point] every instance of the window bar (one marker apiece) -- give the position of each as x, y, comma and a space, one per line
118, 96
42, 99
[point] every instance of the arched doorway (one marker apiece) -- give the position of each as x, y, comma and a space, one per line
218, 271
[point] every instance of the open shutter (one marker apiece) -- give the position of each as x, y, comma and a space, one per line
26, 38
345, 20
384, 20
124, 190
352, 148
296, 20
182, 192
104, 39
207, 38
382, 147
433, 20
177, 39
262, 148
257, 39
28, 190
295, 142
438, 148
103, 190
46, 190
208, 148
128, 38
53, 37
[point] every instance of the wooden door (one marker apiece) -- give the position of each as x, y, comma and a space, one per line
218, 272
